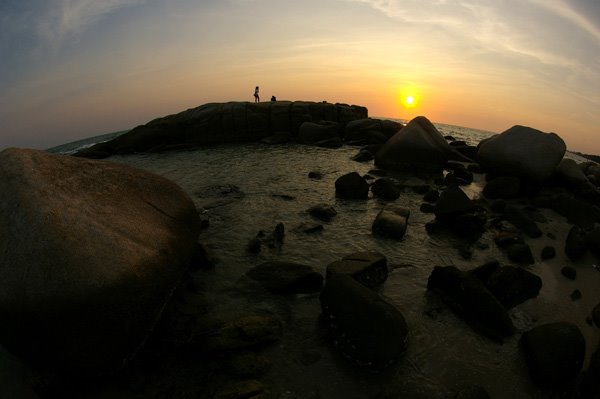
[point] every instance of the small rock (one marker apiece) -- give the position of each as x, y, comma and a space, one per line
548, 253
596, 315
576, 245
352, 186
385, 188
324, 212
309, 227
575, 295
520, 253
315, 175
391, 221
569, 272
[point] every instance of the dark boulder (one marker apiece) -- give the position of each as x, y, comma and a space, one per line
520, 253
523, 152
286, 277
522, 220
452, 203
90, 252
367, 329
554, 353
593, 242
391, 222
352, 186
363, 156
471, 300
548, 252
512, 285
571, 174
385, 188
368, 268
569, 272
576, 245
578, 212
419, 145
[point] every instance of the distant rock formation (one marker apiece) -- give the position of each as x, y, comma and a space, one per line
217, 123
90, 252
418, 146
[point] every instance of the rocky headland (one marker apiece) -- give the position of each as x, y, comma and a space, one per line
91, 252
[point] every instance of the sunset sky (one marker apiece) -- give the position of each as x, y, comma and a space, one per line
70, 69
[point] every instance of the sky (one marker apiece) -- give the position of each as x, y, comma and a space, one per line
71, 69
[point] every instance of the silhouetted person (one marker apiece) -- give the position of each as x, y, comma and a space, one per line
273, 98
256, 96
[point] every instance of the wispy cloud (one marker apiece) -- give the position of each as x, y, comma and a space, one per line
70, 18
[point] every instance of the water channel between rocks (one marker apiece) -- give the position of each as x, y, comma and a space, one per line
243, 189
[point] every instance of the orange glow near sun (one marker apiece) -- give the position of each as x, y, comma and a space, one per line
408, 96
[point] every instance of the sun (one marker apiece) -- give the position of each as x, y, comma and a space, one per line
409, 100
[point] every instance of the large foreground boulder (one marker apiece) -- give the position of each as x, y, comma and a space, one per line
90, 251
367, 329
554, 353
522, 152
470, 299
224, 123
418, 145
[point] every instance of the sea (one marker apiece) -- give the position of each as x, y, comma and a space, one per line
243, 190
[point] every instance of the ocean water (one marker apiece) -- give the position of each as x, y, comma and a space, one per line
241, 190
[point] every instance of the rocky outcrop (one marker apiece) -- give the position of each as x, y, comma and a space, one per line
419, 145
522, 152
218, 123
90, 251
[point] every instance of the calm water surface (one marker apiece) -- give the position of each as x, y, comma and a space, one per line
243, 189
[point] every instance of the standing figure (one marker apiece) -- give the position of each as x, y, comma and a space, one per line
256, 97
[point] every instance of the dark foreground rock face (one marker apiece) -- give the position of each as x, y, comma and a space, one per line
365, 328
218, 123
471, 300
554, 353
90, 251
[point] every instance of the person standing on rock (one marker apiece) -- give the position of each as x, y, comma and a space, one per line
256, 96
